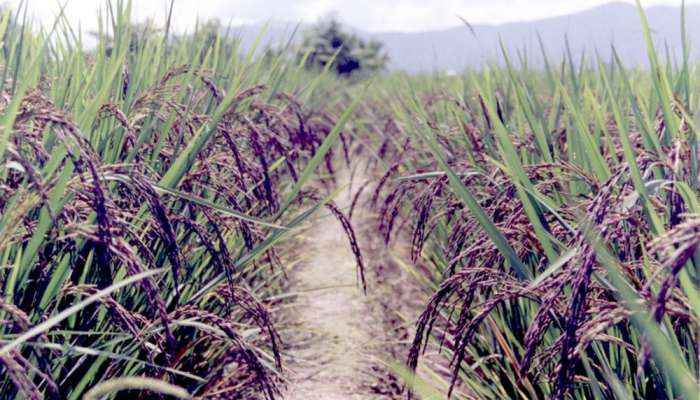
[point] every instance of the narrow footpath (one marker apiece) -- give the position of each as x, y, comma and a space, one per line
337, 326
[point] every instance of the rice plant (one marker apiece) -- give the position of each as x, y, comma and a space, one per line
555, 213
145, 184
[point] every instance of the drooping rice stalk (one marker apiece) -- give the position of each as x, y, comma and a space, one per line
556, 213
140, 206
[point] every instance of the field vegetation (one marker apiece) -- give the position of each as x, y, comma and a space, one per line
148, 187
553, 214
144, 187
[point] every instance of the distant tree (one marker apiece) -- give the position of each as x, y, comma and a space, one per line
208, 31
354, 55
205, 36
140, 33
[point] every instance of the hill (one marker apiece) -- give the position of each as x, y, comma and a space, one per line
588, 32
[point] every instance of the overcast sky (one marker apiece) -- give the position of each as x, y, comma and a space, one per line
372, 15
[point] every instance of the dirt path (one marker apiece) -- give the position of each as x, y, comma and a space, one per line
340, 332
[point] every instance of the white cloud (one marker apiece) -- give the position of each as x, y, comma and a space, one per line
375, 15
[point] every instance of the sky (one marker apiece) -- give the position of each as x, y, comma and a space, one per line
370, 15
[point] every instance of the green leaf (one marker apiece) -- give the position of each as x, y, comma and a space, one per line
136, 383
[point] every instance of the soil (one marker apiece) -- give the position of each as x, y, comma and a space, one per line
342, 339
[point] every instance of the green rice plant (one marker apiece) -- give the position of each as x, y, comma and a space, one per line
555, 212
145, 185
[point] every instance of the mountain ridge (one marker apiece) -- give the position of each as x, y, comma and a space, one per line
588, 32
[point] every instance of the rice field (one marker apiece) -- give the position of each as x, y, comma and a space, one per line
158, 193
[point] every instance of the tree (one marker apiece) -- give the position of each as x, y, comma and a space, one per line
352, 54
